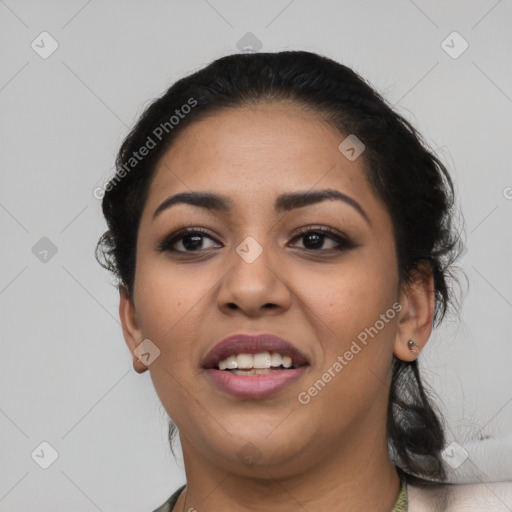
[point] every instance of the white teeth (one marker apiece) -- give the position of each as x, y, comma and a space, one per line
231, 362
254, 371
275, 360
245, 361
263, 360
228, 363
287, 362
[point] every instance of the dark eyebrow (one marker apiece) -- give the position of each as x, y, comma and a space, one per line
284, 202
287, 202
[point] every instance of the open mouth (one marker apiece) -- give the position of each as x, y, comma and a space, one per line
262, 363
254, 366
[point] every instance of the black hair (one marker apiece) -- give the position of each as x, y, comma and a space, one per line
410, 179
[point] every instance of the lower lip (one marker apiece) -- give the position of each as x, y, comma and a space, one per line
254, 386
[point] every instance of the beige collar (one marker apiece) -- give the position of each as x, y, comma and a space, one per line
488, 497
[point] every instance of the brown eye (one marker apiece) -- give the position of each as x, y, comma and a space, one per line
314, 239
191, 240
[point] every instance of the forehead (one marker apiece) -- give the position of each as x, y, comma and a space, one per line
254, 153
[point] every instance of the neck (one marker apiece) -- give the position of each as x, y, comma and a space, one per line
358, 477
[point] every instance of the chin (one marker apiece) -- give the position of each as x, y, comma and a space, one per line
253, 444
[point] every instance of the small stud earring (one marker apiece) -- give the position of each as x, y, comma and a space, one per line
413, 347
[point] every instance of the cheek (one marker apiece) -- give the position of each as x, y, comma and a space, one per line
167, 294
355, 348
170, 305
357, 319
351, 296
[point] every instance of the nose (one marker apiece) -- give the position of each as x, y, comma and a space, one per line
255, 282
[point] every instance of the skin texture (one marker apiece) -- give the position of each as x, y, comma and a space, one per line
328, 454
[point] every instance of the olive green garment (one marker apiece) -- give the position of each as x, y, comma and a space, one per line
400, 505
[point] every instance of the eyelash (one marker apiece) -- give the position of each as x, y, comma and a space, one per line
343, 242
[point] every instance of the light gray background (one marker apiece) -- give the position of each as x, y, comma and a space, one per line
66, 375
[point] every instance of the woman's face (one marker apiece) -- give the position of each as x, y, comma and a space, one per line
335, 301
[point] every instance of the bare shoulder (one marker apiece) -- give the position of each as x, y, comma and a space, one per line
489, 496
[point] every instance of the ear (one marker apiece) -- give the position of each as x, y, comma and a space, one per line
417, 315
131, 330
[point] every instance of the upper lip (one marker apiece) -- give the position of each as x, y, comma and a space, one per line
252, 344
